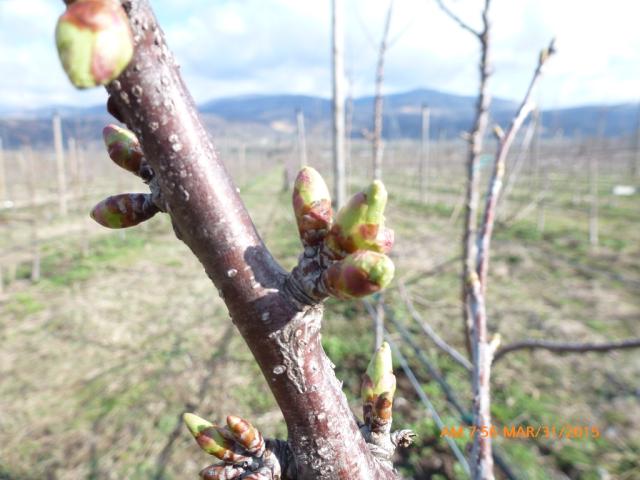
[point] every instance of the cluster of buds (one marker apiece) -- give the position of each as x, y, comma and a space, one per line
239, 445
355, 243
94, 41
127, 209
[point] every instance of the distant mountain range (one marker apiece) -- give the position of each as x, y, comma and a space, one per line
274, 115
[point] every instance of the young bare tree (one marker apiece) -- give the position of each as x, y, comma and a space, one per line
476, 246
278, 313
337, 64
376, 141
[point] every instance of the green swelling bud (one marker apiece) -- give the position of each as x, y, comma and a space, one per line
358, 275
213, 439
378, 388
359, 224
380, 371
123, 148
94, 42
124, 210
311, 206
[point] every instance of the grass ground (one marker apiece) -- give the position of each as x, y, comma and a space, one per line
100, 358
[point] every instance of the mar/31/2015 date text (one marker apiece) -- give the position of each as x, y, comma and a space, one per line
550, 431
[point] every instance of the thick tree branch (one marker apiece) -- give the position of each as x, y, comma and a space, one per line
566, 347
280, 328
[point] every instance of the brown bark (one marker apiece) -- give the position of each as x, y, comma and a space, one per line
279, 322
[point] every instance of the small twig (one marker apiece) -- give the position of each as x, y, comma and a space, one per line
377, 146
457, 19
566, 347
495, 185
511, 178
429, 332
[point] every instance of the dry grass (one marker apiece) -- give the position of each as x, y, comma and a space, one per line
100, 358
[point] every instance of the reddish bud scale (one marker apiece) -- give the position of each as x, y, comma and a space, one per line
313, 221
125, 210
246, 435
123, 148
311, 206
383, 408
214, 442
221, 472
347, 281
377, 410
357, 275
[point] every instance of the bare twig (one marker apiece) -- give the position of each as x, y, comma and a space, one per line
511, 178
566, 347
378, 102
495, 184
457, 19
429, 332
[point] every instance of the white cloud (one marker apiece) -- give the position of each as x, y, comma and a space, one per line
269, 46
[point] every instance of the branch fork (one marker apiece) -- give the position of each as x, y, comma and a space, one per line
278, 314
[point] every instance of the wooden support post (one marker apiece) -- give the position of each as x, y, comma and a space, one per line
3, 178
242, 161
635, 166
73, 160
301, 139
348, 141
33, 221
83, 180
593, 194
423, 172
60, 167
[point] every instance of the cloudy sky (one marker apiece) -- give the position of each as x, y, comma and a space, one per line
234, 47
